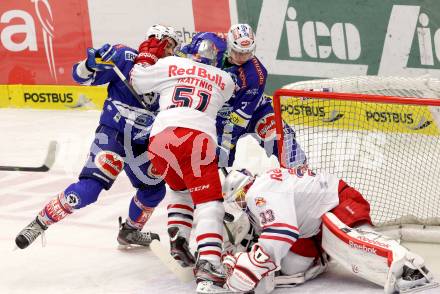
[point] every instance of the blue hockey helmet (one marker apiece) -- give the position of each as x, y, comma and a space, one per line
207, 48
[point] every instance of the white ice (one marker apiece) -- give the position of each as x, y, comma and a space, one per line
81, 255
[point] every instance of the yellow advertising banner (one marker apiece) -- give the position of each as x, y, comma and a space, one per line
353, 115
4, 96
53, 97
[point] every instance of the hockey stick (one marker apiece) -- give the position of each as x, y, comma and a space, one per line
184, 274
123, 79
224, 171
129, 87
48, 162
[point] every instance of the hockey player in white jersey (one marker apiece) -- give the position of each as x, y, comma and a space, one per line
182, 146
300, 217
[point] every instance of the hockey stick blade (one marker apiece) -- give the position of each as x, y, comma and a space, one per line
184, 274
48, 162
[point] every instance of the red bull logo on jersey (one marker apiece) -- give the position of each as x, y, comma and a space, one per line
174, 70
260, 201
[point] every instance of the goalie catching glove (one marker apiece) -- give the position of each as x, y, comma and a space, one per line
245, 270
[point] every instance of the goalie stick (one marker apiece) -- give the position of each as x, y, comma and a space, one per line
184, 274
48, 162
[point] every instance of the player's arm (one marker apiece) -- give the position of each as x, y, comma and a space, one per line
247, 97
144, 75
243, 106
277, 220
246, 101
144, 79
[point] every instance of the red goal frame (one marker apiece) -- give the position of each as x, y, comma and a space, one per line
276, 100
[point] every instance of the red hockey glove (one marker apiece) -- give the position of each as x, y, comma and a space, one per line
151, 50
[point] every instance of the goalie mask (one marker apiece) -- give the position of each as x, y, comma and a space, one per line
207, 48
235, 187
241, 43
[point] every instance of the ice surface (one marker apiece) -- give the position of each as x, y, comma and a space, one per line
81, 254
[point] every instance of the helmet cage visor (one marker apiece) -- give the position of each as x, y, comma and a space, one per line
206, 53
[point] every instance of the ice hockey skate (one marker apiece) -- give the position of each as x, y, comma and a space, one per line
210, 279
179, 248
31, 232
129, 237
415, 276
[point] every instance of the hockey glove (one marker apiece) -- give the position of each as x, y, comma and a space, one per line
245, 270
151, 50
100, 59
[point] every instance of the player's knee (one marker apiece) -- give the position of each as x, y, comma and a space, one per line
293, 264
83, 192
103, 167
109, 163
151, 196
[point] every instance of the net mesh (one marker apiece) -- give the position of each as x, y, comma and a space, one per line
389, 152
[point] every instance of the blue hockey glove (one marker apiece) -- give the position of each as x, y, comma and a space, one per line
100, 59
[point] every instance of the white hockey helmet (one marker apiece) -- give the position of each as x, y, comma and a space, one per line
160, 31
241, 39
236, 185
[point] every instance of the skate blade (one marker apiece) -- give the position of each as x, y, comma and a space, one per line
130, 247
430, 285
208, 287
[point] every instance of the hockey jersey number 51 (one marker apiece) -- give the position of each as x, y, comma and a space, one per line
191, 93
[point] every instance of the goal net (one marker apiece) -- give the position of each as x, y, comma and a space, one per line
381, 135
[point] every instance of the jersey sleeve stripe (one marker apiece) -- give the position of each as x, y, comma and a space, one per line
282, 225
289, 233
291, 242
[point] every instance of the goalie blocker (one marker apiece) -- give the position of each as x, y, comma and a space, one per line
374, 257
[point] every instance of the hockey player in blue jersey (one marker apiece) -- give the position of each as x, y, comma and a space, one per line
250, 111
120, 142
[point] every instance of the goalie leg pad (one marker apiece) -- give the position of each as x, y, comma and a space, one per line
368, 258
293, 264
370, 255
297, 269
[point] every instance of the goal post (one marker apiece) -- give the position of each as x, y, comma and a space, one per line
386, 146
